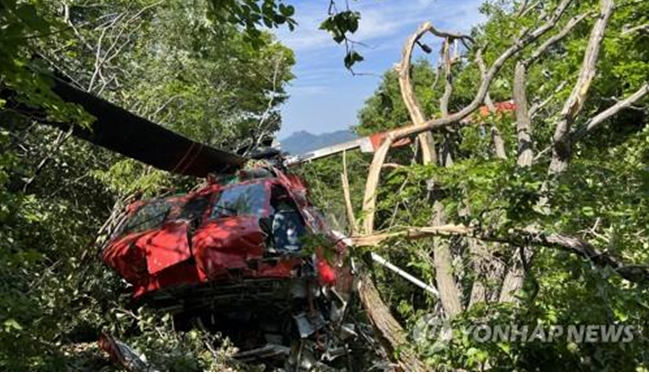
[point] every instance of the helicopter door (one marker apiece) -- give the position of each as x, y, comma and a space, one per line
287, 223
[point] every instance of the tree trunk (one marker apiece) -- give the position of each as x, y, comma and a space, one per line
523, 122
448, 291
390, 333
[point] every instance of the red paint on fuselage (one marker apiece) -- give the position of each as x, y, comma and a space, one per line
191, 249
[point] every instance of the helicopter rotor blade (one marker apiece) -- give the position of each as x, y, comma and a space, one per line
371, 143
119, 130
367, 144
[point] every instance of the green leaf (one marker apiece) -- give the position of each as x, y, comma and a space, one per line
287, 11
351, 58
12, 324
27, 13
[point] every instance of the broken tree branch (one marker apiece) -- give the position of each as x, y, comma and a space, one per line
353, 225
390, 332
594, 122
562, 148
523, 116
578, 246
443, 263
526, 38
407, 91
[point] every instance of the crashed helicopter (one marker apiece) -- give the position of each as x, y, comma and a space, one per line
230, 255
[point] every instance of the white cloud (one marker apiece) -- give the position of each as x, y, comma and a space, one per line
321, 80
379, 19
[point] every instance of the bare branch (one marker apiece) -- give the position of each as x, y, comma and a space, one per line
263, 124
522, 12
594, 122
60, 139
98, 57
448, 78
369, 200
580, 247
555, 38
562, 149
644, 28
407, 90
523, 120
348, 200
521, 8
523, 116
518, 45
372, 182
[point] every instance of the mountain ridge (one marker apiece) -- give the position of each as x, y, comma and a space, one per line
303, 141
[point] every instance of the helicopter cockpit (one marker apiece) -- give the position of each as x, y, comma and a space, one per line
287, 223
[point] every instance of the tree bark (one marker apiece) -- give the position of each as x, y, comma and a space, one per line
443, 261
562, 146
514, 278
523, 122
390, 333
351, 217
499, 143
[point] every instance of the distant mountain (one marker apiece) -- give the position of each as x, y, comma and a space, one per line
303, 141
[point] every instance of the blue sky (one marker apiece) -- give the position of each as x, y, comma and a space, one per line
325, 97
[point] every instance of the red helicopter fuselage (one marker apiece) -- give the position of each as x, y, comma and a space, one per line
250, 227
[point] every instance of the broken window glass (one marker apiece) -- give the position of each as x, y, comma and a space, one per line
240, 200
192, 210
148, 216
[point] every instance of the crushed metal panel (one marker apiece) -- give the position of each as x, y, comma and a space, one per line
308, 325
168, 246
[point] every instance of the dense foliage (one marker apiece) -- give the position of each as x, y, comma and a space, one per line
602, 198
170, 62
